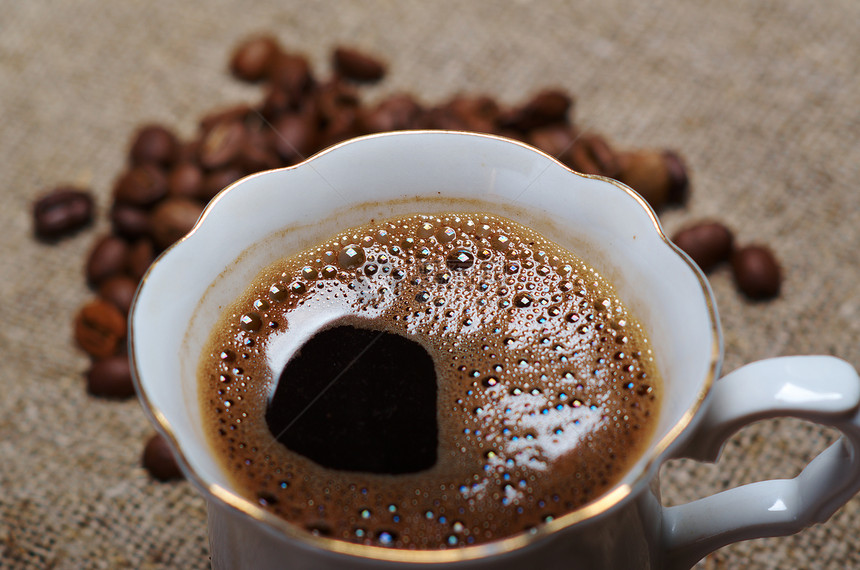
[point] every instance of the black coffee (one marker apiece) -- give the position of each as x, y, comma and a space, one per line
428, 382
358, 400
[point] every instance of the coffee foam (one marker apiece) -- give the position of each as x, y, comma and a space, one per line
546, 384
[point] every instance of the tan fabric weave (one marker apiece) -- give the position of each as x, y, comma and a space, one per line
762, 98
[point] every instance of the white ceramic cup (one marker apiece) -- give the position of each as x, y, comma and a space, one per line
267, 216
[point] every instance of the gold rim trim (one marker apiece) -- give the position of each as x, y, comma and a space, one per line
607, 502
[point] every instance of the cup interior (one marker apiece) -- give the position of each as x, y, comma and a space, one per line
270, 215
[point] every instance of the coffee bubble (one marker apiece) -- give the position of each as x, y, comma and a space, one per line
350, 257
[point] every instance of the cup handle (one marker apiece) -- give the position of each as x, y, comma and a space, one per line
820, 389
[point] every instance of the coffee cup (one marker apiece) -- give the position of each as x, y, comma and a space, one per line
269, 215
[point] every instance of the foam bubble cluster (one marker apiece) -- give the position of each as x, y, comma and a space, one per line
546, 383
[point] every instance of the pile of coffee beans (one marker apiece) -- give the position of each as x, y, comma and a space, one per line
168, 181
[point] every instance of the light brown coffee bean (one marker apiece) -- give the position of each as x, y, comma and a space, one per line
118, 290
646, 172
62, 212
158, 459
111, 378
142, 186
707, 243
222, 144
172, 219
107, 258
357, 65
757, 272
99, 328
155, 144
253, 58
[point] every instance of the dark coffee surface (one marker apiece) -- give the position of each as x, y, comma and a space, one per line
428, 382
358, 400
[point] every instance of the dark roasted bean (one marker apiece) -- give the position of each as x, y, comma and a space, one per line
119, 290
217, 180
172, 219
62, 212
707, 243
107, 258
252, 59
185, 180
141, 186
111, 378
129, 221
155, 144
756, 272
358, 66
141, 254
158, 459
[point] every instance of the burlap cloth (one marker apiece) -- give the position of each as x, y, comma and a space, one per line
762, 98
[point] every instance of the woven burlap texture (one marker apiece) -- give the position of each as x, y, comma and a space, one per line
761, 98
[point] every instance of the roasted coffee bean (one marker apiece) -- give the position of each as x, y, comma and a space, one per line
222, 144
276, 102
119, 290
545, 108
240, 113
141, 254
442, 118
158, 459
330, 98
253, 58
343, 123
591, 154
757, 272
99, 328
358, 66
647, 172
258, 153
294, 137
555, 140
679, 181
291, 74
172, 219
185, 180
62, 212
217, 180
707, 243
111, 378
397, 112
107, 258
477, 113
129, 221
142, 186
155, 144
